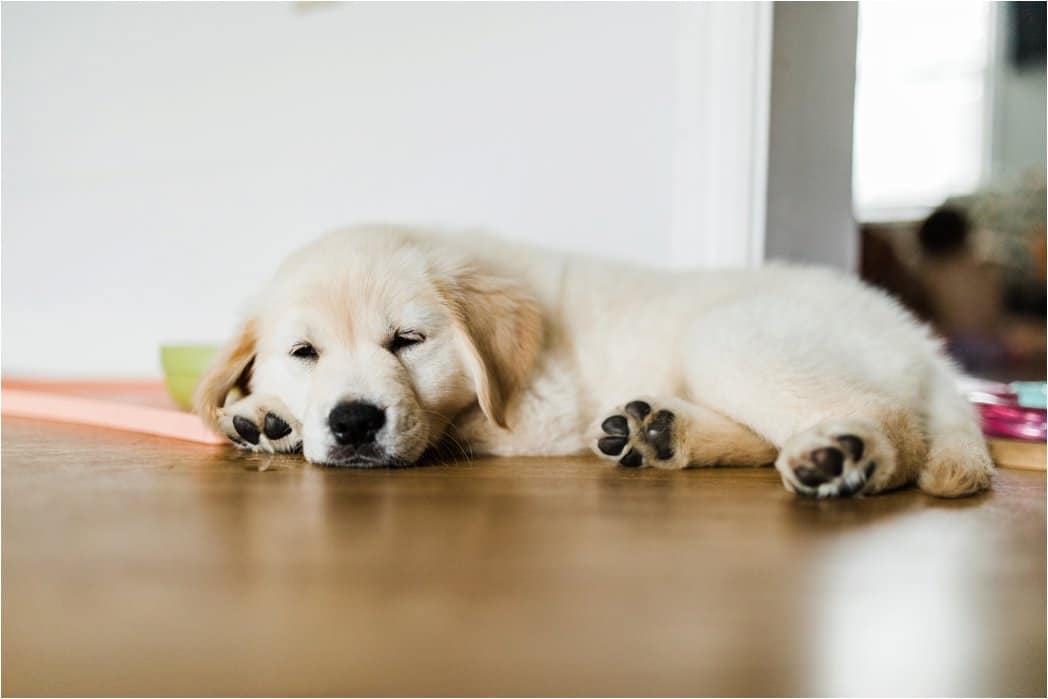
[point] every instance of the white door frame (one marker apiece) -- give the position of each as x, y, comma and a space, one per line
764, 131
721, 134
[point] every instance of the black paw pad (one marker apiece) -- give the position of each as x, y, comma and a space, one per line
616, 425
809, 476
659, 433
632, 459
638, 409
246, 429
829, 461
853, 445
275, 427
611, 445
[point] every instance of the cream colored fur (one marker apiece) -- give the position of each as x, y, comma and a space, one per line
528, 351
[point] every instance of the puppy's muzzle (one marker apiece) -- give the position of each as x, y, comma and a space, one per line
356, 423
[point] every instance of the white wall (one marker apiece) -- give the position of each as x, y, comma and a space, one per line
920, 121
160, 158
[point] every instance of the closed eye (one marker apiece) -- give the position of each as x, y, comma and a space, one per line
402, 339
306, 351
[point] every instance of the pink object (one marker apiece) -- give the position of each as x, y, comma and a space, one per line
131, 406
1014, 422
1003, 416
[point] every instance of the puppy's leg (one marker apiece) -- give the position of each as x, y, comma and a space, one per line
261, 422
958, 463
673, 433
853, 456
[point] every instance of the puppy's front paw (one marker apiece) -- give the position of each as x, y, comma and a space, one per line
838, 459
640, 434
261, 423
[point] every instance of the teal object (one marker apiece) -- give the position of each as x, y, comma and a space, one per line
1031, 394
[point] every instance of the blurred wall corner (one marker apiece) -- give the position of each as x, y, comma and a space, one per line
809, 197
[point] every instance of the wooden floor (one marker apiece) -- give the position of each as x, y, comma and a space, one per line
135, 565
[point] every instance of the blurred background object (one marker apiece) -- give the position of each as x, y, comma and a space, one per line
950, 173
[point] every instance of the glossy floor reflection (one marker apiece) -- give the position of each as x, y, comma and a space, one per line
134, 565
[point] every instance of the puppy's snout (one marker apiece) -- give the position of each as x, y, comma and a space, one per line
356, 422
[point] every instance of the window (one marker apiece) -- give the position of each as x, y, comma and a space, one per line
922, 105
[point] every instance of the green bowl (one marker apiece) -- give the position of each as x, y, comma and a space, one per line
183, 366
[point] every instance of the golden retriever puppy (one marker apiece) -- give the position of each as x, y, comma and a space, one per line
374, 345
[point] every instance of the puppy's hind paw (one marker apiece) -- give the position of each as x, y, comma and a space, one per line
261, 424
639, 434
837, 459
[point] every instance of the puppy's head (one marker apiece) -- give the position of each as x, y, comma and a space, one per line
375, 340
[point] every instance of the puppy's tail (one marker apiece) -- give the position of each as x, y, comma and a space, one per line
958, 462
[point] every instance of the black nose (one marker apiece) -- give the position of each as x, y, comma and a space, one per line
355, 422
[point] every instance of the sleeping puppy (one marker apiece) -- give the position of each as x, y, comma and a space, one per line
373, 346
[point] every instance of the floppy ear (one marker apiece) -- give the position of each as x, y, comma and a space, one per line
500, 329
231, 368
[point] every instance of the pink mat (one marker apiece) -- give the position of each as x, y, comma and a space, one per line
134, 406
